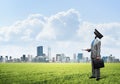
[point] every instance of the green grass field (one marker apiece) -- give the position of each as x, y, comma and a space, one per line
56, 73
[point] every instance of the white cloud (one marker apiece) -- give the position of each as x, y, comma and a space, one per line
61, 26
26, 29
111, 32
48, 33
27, 35
17, 51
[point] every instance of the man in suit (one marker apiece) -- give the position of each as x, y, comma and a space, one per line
95, 53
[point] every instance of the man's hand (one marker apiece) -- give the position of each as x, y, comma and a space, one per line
86, 50
97, 58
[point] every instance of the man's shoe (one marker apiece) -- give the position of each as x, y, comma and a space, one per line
91, 77
97, 79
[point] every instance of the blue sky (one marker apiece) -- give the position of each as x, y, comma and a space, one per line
66, 26
95, 11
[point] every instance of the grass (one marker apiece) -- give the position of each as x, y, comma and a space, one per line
56, 73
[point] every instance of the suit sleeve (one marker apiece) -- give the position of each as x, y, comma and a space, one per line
98, 49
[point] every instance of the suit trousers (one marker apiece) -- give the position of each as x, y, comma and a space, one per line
95, 72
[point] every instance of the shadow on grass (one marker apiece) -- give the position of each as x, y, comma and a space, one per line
104, 77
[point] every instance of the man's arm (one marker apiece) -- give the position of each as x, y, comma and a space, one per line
86, 50
98, 50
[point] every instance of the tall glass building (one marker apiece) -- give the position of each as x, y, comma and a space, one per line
80, 57
40, 51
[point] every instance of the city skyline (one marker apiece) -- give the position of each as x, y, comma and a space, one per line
40, 53
42, 57
66, 26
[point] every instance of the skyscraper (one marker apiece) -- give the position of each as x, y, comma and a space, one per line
80, 57
49, 53
40, 51
74, 57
